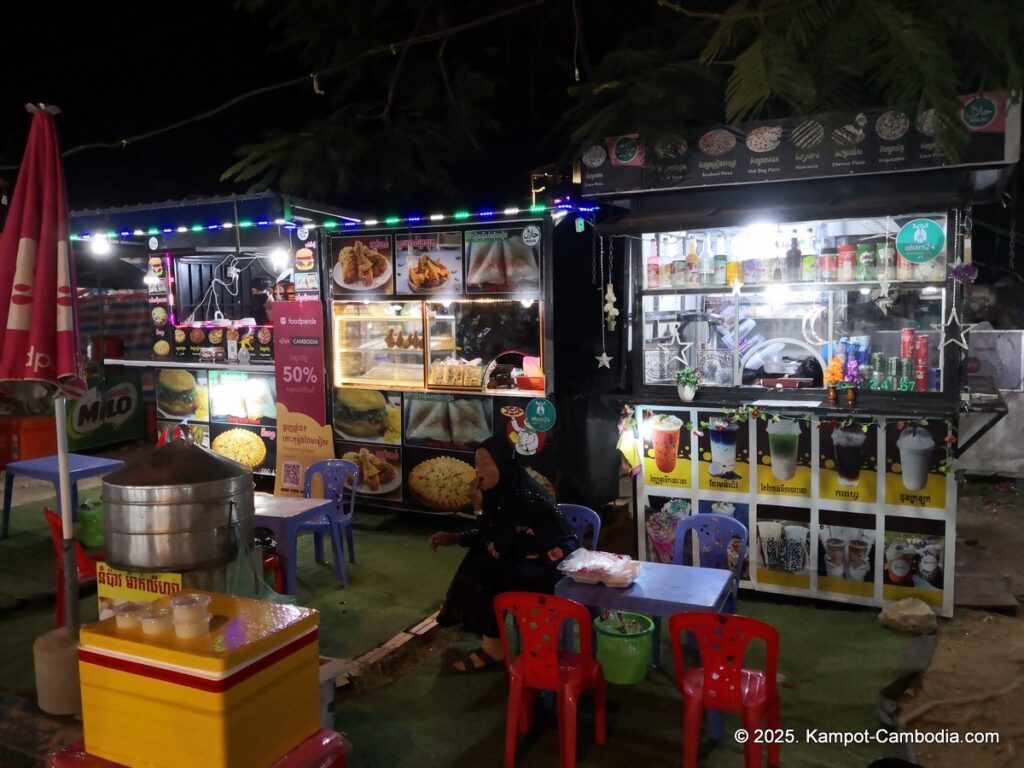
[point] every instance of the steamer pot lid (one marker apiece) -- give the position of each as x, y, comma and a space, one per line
177, 462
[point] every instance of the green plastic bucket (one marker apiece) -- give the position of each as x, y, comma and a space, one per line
626, 658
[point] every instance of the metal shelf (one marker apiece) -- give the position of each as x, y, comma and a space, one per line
149, 362
745, 288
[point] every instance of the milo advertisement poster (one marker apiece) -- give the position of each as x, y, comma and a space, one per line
848, 461
914, 454
723, 448
666, 449
784, 457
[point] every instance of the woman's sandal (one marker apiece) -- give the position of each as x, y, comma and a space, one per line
474, 661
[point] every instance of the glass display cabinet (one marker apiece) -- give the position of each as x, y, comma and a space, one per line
771, 305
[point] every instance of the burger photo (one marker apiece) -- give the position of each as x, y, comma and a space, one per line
176, 392
360, 412
303, 260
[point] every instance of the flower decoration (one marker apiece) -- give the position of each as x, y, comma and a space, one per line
963, 273
834, 372
611, 314
853, 371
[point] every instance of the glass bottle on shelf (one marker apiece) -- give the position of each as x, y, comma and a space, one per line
666, 254
779, 270
733, 267
707, 262
794, 259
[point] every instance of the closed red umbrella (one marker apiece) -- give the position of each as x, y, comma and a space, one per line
39, 350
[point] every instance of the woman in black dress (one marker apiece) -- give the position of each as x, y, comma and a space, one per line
518, 545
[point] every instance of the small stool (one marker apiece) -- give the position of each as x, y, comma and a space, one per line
45, 468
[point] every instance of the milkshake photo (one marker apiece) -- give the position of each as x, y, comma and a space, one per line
723, 447
848, 443
784, 443
916, 446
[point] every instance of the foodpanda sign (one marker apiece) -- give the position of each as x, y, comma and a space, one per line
113, 407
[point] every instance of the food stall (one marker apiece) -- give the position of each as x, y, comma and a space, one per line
440, 337
207, 266
824, 319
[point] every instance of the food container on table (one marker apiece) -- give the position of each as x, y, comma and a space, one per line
189, 630
244, 694
190, 607
129, 615
157, 621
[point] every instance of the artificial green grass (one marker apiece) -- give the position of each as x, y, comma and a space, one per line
833, 664
396, 582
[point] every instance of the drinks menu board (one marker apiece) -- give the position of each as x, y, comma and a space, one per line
815, 524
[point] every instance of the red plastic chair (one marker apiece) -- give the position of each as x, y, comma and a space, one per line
272, 564
86, 563
722, 683
541, 666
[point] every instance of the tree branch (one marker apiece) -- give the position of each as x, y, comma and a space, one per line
451, 96
385, 114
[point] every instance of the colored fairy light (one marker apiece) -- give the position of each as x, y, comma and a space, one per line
485, 214
437, 217
279, 222
197, 227
153, 231
351, 223
538, 208
370, 222
213, 226
125, 233
331, 224
168, 230
392, 220
183, 229
244, 224
227, 225
138, 233
262, 222
414, 219
460, 215
510, 211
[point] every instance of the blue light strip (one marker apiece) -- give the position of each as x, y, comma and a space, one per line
461, 216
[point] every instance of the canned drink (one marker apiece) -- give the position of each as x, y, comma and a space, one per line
935, 379
877, 376
906, 342
841, 347
878, 361
865, 372
892, 367
921, 378
906, 368
921, 350
891, 383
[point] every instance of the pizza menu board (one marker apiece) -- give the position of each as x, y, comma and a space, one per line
878, 140
851, 509
417, 448
476, 260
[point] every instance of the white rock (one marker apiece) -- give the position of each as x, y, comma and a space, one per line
909, 615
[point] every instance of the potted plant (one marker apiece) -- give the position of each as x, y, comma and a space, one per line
687, 382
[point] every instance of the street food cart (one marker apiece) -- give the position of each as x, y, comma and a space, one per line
823, 318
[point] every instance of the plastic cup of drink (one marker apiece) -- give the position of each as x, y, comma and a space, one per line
189, 630
784, 441
916, 447
190, 607
665, 435
156, 621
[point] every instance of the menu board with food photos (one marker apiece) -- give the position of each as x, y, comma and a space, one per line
447, 421
428, 263
160, 308
852, 509
182, 394
380, 470
254, 447
362, 265
873, 140
503, 259
238, 397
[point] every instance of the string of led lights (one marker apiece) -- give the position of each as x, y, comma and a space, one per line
459, 216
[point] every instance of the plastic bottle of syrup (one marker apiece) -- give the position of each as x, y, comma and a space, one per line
707, 262
721, 261
692, 279
653, 264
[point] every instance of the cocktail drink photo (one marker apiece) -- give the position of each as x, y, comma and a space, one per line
848, 443
723, 445
916, 446
665, 435
784, 442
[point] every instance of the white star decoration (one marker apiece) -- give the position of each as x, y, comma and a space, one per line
960, 338
681, 357
604, 361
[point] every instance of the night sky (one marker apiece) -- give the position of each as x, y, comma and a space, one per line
122, 68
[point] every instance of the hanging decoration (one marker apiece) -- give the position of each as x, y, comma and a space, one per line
604, 360
963, 273
954, 330
884, 300
611, 314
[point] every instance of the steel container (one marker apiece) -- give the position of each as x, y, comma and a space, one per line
180, 507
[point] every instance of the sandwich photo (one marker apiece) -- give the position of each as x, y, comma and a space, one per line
176, 392
469, 424
486, 264
502, 263
458, 423
428, 420
360, 412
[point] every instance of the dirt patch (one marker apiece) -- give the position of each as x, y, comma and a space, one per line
975, 682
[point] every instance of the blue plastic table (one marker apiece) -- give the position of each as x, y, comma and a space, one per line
45, 468
661, 590
283, 515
